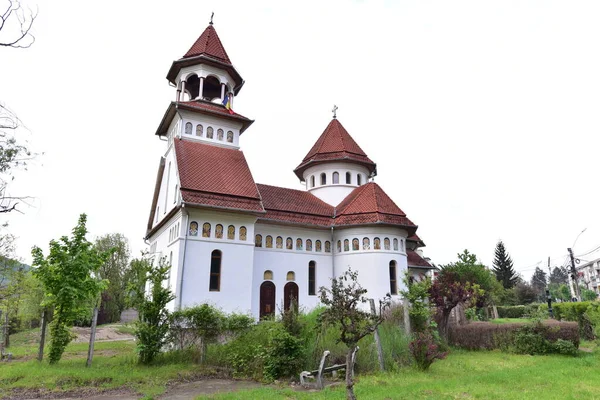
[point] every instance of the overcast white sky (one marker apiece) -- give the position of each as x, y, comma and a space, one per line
482, 116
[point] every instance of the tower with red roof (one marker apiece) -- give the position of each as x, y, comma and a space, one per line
254, 248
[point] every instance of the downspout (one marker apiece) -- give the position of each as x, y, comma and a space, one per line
185, 226
332, 255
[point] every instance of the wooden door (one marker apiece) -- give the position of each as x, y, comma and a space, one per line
290, 294
267, 299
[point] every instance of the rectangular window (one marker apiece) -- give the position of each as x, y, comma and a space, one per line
312, 282
215, 271
393, 286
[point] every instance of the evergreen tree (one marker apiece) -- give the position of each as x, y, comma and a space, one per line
559, 275
503, 267
538, 282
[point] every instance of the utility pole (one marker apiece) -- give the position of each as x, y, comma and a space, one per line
548, 297
574, 275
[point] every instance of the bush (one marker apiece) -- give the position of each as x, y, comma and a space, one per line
485, 335
576, 312
424, 350
517, 311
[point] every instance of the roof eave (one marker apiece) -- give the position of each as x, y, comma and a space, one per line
299, 171
229, 209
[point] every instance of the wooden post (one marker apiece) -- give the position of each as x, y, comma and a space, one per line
43, 335
377, 341
92, 338
405, 306
320, 382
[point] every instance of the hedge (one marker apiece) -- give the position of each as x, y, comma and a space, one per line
576, 312
488, 336
516, 311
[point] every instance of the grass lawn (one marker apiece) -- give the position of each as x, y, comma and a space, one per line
509, 321
466, 375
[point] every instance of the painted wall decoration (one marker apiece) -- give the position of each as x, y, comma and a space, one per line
206, 230
193, 229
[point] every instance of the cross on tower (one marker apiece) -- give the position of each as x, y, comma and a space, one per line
211, 17
334, 111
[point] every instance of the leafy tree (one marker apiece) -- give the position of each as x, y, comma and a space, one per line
539, 282
560, 275
345, 302
116, 271
559, 292
526, 294
153, 326
503, 267
417, 294
67, 274
587, 294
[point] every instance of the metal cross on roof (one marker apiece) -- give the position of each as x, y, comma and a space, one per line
211, 17
334, 111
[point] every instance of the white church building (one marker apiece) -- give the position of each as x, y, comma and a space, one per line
248, 247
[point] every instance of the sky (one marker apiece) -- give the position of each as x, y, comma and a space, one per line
482, 116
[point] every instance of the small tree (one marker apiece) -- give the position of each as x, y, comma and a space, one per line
116, 271
503, 267
417, 294
67, 275
559, 276
539, 282
343, 307
153, 326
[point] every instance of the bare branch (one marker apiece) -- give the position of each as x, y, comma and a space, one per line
20, 35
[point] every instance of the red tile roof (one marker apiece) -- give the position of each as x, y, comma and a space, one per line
335, 144
369, 204
216, 177
415, 260
415, 238
210, 45
294, 206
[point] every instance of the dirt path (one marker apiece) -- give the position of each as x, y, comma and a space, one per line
104, 333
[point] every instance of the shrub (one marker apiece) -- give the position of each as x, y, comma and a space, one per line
485, 335
517, 311
425, 350
576, 312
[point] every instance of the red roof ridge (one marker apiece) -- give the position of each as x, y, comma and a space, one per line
210, 45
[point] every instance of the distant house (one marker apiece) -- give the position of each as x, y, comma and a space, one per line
589, 274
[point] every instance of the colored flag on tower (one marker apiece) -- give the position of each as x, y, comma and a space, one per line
227, 104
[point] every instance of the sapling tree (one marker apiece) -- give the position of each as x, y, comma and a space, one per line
153, 326
68, 277
345, 304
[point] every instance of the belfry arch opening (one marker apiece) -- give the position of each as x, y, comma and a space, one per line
211, 88
192, 86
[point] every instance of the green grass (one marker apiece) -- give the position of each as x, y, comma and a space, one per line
509, 320
465, 375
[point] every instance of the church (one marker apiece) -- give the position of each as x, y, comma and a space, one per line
252, 248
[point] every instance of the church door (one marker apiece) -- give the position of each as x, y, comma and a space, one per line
267, 299
290, 292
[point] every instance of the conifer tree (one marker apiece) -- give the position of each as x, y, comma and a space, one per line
503, 267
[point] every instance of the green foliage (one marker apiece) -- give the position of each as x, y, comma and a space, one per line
559, 291
539, 282
67, 275
587, 294
517, 311
153, 325
503, 267
468, 270
532, 339
592, 314
526, 293
116, 271
506, 297
559, 276
417, 294
425, 350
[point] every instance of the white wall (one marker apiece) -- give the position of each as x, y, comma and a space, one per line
208, 121
167, 196
332, 193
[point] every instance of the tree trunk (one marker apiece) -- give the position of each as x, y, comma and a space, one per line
92, 338
377, 341
6, 330
443, 328
349, 381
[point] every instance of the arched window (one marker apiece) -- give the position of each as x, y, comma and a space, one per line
219, 231
312, 278
358, 179
328, 247
229, 137
395, 244
279, 242
231, 232
269, 242
291, 276
220, 134
402, 243
188, 128
318, 246
170, 267
209, 132
339, 246
336, 178
215, 271
308, 245
199, 130
243, 232
377, 243
157, 213
289, 243
323, 179
386, 243
312, 181
176, 193
206, 230
193, 229
355, 244
393, 284
268, 275
258, 241
366, 244
346, 245
348, 178
298, 244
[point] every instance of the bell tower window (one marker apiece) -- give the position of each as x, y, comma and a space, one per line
192, 86
211, 89
312, 181
323, 179
358, 179
348, 178
336, 178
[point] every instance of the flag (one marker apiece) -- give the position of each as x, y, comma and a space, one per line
227, 104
